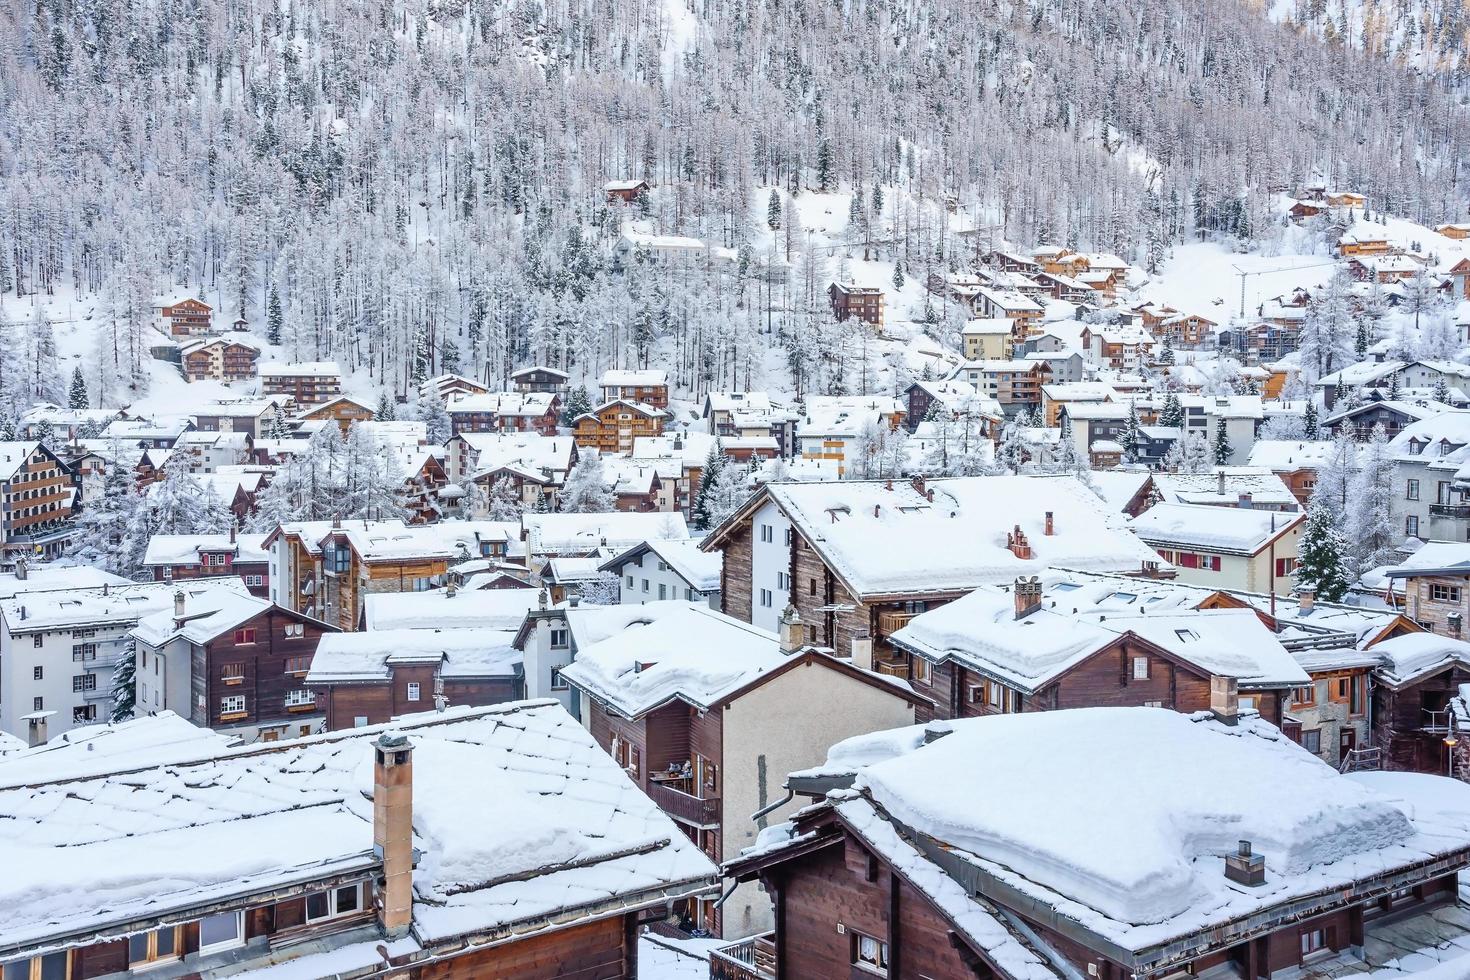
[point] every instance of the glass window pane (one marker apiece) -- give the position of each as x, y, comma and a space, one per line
166, 942
316, 905
347, 899
138, 947
19, 970
53, 967
219, 929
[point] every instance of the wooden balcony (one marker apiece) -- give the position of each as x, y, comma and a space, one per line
698, 811
892, 668
749, 959
892, 621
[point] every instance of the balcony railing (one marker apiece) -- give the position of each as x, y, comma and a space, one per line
1449, 510
696, 810
749, 959
893, 668
893, 621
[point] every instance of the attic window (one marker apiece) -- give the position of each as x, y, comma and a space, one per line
1186, 635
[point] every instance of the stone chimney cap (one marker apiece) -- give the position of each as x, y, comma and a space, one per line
393, 740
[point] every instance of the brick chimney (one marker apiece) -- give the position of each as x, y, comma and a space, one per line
792, 631
1225, 699
1244, 867
393, 830
918, 482
862, 651
1050, 527
1306, 598
1027, 593
1016, 541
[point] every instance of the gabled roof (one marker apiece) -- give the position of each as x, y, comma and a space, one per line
1224, 530
698, 568
368, 656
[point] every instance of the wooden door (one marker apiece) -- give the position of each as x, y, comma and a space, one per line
1347, 740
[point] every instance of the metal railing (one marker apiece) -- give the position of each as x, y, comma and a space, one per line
749, 959
1449, 510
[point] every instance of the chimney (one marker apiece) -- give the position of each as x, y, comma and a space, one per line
1306, 598
21, 568
1245, 868
232, 531
792, 631
1456, 624
36, 731
1017, 543
918, 483
1222, 483
1050, 528
178, 606
1027, 593
393, 830
1244, 501
336, 522
1225, 699
862, 651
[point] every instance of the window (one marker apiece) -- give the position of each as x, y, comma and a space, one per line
1412, 490
153, 947
246, 635
635, 759
1313, 941
1285, 566
869, 954
83, 713
337, 558
1304, 695
994, 693
300, 699
82, 652
334, 903
1153, 704
37, 673
256, 580
1355, 695
223, 931
689, 595
645, 585
1247, 704
813, 587
83, 682
766, 597
1411, 525
711, 776
558, 682
294, 629
413, 691
36, 640
38, 704
921, 669
232, 673
630, 581
233, 704
298, 665
52, 966
559, 638
1444, 593
767, 534
663, 591
1312, 740
1140, 668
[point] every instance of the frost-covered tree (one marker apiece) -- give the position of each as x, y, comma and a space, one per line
1172, 412
77, 396
1132, 434
1012, 451
124, 687
385, 411
577, 403
1189, 454
275, 319
1311, 428
773, 210
586, 490
432, 412
1320, 555
1369, 526
701, 512
504, 502
1335, 478
1325, 340
1222, 448
102, 526
728, 491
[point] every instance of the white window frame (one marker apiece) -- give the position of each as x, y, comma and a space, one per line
226, 704
223, 944
332, 910
300, 697
413, 691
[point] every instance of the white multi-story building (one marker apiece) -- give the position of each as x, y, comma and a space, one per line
58, 650
657, 570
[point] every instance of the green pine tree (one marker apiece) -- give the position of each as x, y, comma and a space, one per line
578, 403
1312, 427
773, 210
124, 690
714, 465
1223, 449
78, 396
898, 279
1319, 555
274, 318
385, 412
1172, 414
1166, 355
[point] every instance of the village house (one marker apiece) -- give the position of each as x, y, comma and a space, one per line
506, 411
1227, 486
38, 496
256, 417
626, 191
175, 557
1294, 461
1225, 547
611, 427
958, 400
722, 409
1418, 706
469, 455
836, 429
146, 433
1434, 504
450, 386
184, 316
859, 559
495, 842
229, 661
584, 535
662, 569
1122, 347
374, 676
1054, 397
1023, 312
987, 338
649, 387
1458, 231
1435, 587
58, 650
698, 741
1384, 268
909, 869
540, 379
62, 423
342, 410
219, 359
850, 300
307, 383
1363, 239
1016, 385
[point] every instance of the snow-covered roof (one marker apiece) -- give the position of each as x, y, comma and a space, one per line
208, 614
1146, 869
1119, 488
512, 404
486, 609
1290, 454
692, 653
13, 455
981, 631
563, 534
1226, 406
700, 569
299, 369
367, 656
730, 401
1229, 530
1434, 556
988, 326
52, 578
572, 833
541, 368
1364, 372
94, 749
1412, 655
189, 549
527, 449
890, 539
1224, 485
106, 606
634, 379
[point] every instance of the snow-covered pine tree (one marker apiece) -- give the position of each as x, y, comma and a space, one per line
773, 210
578, 403
1335, 477
1189, 454
714, 463
728, 491
385, 412
898, 279
1310, 425
104, 520
1012, 451
1369, 526
124, 686
77, 396
1172, 412
586, 490
1166, 353
1222, 448
435, 416
1320, 555
1442, 390
1132, 434
503, 502
275, 319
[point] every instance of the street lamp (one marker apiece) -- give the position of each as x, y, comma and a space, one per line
1450, 741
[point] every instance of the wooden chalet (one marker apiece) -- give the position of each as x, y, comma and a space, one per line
306, 383
506, 411
625, 191
175, 557
219, 359
185, 316
849, 300
648, 387
612, 426
539, 378
38, 496
342, 410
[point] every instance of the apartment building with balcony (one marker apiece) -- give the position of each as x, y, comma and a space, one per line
700, 709
309, 382
38, 495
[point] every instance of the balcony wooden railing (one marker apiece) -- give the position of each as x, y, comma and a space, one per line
893, 621
696, 810
893, 668
749, 959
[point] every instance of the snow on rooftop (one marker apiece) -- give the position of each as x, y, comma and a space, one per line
366, 656
1240, 530
189, 549
520, 816
1412, 655
691, 652
108, 605
701, 569
300, 369
489, 609
885, 541
1225, 485
1290, 454
52, 578
548, 534
1147, 867
94, 749
208, 613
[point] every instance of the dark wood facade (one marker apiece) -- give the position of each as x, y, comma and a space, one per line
1410, 722
351, 705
